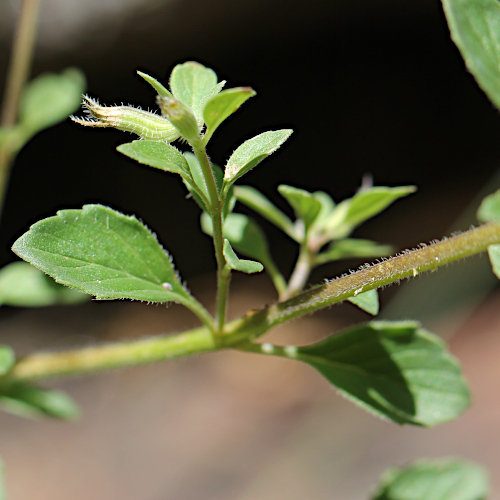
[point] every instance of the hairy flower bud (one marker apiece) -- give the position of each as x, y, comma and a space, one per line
145, 124
181, 116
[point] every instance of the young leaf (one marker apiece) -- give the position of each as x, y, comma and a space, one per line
158, 155
160, 89
255, 200
304, 204
367, 301
489, 210
438, 479
191, 83
475, 28
22, 285
353, 247
363, 206
7, 359
30, 401
50, 98
224, 105
103, 253
245, 266
327, 206
494, 255
396, 370
252, 152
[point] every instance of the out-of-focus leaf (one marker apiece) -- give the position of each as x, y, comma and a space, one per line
434, 479
30, 401
489, 210
254, 199
475, 28
353, 247
7, 359
50, 98
304, 204
22, 285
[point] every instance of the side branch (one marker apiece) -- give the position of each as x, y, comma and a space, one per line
409, 263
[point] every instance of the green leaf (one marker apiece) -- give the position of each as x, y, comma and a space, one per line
30, 401
494, 255
22, 285
193, 83
245, 266
160, 89
103, 253
489, 210
7, 359
223, 105
252, 152
353, 247
475, 28
50, 98
158, 155
255, 200
327, 207
304, 204
367, 301
244, 235
396, 370
437, 479
362, 206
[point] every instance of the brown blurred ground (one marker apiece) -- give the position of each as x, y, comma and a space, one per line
228, 425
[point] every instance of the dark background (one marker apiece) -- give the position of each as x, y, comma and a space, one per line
368, 87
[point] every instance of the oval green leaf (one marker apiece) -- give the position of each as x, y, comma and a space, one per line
103, 253
489, 210
193, 84
158, 155
252, 152
438, 479
475, 29
223, 105
396, 370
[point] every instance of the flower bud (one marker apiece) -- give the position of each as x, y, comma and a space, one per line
143, 123
181, 116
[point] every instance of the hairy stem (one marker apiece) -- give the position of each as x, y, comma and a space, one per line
408, 264
17, 75
106, 357
216, 205
255, 324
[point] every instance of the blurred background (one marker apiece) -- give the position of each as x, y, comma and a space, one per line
370, 87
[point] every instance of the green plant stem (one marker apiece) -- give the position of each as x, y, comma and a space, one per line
17, 75
195, 307
106, 357
300, 274
216, 205
408, 264
255, 324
